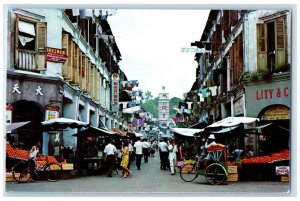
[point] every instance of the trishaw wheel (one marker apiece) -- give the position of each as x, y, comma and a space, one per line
215, 174
54, 171
21, 172
188, 173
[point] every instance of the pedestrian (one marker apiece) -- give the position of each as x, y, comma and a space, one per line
146, 147
172, 156
163, 146
152, 149
210, 141
125, 160
238, 153
138, 145
32, 157
131, 153
110, 155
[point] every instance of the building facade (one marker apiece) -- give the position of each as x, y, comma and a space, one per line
60, 64
163, 108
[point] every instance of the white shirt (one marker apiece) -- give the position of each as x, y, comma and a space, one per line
110, 149
146, 144
138, 147
130, 147
34, 153
163, 146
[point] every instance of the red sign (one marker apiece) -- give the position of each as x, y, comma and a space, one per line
56, 55
272, 93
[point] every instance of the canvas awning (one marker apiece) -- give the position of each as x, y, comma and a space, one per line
233, 121
16, 125
225, 130
199, 125
132, 110
259, 127
93, 131
188, 132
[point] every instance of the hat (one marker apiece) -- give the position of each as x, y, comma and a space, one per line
212, 137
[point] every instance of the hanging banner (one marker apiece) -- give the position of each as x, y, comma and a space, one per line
115, 93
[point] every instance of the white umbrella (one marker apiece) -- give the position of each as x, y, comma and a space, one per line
233, 121
61, 123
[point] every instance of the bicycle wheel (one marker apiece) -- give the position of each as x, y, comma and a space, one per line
215, 174
21, 172
54, 171
188, 173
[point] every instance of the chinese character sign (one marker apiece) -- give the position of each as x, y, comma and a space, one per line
115, 93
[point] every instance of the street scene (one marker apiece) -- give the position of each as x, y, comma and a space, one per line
128, 101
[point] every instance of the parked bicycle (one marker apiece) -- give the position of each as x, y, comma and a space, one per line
48, 170
215, 173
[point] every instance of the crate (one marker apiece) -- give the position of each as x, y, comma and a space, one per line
68, 166
232, 169
284, 178
233, 177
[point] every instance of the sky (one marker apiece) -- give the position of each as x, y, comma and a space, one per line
150, 42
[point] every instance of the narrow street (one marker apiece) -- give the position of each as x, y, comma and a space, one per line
149, 180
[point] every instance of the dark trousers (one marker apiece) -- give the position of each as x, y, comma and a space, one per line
164, 160
138, 158
110, 160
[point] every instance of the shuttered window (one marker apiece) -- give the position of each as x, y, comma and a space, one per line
30, 44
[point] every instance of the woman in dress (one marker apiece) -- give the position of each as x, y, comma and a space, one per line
125, 160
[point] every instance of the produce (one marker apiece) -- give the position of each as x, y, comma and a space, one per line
282, 155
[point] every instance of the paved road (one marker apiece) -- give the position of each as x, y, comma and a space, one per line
150, 180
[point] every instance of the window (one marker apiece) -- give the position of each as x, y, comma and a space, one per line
271, 45
30, 44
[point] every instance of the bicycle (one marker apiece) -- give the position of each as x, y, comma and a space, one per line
22, 174
215, 173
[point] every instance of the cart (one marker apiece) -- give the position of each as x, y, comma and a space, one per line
215, 170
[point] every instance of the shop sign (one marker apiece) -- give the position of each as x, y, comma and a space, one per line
282, 170
276, 113
52, 112
115, 92
56, 55
266, 94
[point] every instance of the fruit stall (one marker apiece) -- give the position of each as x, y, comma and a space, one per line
14, 155
264, 168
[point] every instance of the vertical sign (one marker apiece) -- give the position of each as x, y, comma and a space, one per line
115, 93
52, 112
9, 109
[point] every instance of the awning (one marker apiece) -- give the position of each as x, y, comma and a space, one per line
199, 125
16, 125
225, 130
138, 135
188, 132
62, 123
259, 127
26, 27
132, 110
93, 131
233, 121
119, 132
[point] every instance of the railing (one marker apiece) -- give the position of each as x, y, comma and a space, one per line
26, 60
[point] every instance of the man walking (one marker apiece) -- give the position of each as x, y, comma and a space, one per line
138, 145
163, 147
110, 154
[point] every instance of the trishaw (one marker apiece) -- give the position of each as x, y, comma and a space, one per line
214, 170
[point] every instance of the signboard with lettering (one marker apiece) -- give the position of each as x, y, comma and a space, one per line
276, 113
282, 170
52, 112
115, 93
56, 55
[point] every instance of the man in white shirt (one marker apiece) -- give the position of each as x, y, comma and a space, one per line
110, 154
146, 149
163, 148
138, 145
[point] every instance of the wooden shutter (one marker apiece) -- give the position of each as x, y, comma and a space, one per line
261, 47
65, 46
17, 43
41, 45
280, 47
76, 65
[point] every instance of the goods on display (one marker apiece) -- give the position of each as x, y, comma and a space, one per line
16, 153
279, 156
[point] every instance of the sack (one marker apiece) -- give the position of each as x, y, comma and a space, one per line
179, 163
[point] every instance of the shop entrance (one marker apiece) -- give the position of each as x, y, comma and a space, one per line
28, 135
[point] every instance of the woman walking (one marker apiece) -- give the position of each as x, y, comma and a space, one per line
125, 160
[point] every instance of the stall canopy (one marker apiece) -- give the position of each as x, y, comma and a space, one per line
188, 132
119, 132
92, 131
62, 123
16, 125
233, 121
200, 125
132, 110
225, 130
259, 127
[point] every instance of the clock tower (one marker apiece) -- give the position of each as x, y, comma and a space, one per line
163, 108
